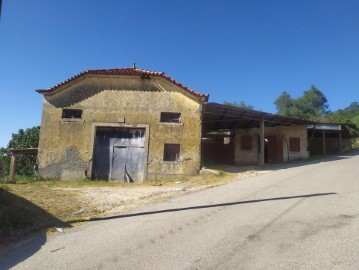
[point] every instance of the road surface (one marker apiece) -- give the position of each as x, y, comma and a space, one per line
304, 217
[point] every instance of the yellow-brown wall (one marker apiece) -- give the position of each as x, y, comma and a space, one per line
66, 147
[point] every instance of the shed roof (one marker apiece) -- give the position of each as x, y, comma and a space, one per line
219, 116
26, 151
330, 128
133, 71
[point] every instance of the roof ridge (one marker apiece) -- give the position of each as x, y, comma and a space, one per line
132, 71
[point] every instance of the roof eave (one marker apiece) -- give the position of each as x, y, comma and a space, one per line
139, 72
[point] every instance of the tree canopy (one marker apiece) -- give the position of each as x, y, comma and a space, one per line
284, 104
348, 116
28, 138
313, 105
241, 104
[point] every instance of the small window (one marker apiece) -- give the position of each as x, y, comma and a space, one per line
171, 152
246, 143
71, 114
294, 144
170, 117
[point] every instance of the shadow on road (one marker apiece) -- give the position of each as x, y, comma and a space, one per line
205, 206
292, 164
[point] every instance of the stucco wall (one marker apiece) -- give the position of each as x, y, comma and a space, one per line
66, 147
242, 156
284, 132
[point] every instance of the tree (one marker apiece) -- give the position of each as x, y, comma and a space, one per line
311, 106
28, 138
241, 104
284, 104
353, 107
348, 116
352, 128
4, 162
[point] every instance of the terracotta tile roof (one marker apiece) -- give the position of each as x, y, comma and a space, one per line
133, 71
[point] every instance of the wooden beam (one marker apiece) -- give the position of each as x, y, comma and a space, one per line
12, 169
261, 136
324, 150
221, 119
340, 141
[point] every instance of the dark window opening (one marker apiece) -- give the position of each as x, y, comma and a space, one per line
171, 152
71, 113
294, 144
170, 117
246, 142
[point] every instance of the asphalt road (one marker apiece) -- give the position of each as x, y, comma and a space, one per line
305, 217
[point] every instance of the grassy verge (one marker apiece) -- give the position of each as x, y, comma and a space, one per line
20, 217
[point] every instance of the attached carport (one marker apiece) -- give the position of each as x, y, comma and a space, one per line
219, 117
328, 138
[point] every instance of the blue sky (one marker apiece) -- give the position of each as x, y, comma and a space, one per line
247, 51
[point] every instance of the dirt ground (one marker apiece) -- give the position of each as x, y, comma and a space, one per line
111, 200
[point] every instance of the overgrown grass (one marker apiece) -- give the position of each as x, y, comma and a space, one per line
20, 217
21, 179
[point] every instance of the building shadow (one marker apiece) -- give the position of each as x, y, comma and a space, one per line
291, 164
205, 207
23, 227
18, 253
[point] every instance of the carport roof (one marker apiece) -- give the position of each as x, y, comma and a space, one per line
219, 116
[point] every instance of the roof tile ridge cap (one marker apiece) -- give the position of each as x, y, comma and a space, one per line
106, 70
141, 70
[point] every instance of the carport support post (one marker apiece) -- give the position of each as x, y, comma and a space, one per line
12, 168
324, 150
340, 141
261, 136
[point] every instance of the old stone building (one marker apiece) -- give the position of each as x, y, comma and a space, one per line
132, 125
120, 124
